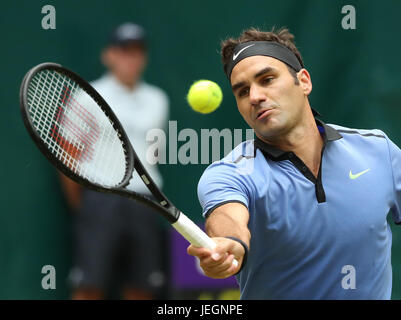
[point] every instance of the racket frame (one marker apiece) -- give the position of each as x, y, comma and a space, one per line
168, 210
185, 226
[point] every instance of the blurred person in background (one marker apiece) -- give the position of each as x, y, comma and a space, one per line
115, 237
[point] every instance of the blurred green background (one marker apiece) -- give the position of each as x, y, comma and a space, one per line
356, 76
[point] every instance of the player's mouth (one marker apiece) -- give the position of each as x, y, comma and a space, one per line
264, 113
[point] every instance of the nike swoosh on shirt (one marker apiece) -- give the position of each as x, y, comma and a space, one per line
235, 56
354, 176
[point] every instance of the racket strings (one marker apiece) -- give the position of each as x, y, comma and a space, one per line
88, 133
75, 129
44, 115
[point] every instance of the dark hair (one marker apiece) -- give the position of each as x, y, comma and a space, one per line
282, 36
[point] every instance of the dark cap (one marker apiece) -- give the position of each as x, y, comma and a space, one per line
127, 33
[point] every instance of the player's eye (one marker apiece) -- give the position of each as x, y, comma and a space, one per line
243, 92
266, 80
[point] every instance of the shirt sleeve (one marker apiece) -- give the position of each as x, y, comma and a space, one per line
221, 183
395, 160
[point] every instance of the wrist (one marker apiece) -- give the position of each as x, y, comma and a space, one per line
246, 249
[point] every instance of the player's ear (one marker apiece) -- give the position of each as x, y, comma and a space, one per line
305, 81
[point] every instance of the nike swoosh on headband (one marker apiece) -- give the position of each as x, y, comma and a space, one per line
235, 56
262, 48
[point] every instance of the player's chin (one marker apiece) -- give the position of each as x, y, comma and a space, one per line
268, 128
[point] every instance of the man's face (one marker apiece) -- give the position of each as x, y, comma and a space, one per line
267, 96
126, 62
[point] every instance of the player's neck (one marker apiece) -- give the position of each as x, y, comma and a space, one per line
305, 141
308, 148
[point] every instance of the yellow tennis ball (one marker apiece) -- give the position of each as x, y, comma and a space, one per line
204, 96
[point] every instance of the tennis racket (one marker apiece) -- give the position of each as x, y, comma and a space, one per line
74, 127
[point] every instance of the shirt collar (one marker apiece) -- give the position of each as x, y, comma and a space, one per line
328, 133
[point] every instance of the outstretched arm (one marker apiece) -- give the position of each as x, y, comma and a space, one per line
228, 220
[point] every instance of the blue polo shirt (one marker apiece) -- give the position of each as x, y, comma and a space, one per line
313, 238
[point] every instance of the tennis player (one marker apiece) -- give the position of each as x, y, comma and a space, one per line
309, 221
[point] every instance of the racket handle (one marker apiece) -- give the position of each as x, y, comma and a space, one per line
195, 235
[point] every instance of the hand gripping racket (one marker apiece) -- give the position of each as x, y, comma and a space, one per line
77, 131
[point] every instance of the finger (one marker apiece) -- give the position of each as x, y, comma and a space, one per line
226, 245
221, 252
221, 266
198, 252
214, 259
223, 270
234, 268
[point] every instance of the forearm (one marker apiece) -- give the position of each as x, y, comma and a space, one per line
230, 219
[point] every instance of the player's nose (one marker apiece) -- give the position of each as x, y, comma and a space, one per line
256, 95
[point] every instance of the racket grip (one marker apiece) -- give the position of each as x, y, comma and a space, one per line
195, 235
